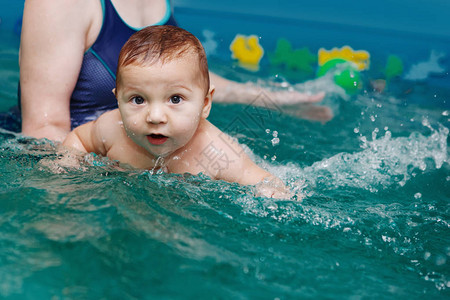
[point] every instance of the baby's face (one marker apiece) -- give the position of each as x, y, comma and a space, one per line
161, 105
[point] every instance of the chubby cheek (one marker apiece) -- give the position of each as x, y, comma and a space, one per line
187, 126
131, 125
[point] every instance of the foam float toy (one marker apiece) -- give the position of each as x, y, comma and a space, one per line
394, 67
360, 58
345, 74
422, 70
294, 64
346, 64
299, 59
247, 51
209, 43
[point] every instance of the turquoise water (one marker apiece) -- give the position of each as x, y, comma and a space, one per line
373, 222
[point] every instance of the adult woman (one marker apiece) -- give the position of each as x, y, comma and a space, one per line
69, 51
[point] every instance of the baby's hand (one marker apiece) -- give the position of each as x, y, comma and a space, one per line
273, 187
64, 162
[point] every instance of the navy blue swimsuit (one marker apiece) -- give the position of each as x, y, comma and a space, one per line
93, 95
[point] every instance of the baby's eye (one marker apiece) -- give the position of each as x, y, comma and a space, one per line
175, 99
137, 100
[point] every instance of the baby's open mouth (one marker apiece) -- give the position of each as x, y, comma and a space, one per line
157, 139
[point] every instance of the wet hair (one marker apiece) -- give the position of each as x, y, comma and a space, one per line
162, 43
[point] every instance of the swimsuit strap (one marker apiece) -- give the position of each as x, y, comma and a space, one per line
115, 32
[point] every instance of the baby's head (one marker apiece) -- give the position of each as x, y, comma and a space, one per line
162, 88
162, 43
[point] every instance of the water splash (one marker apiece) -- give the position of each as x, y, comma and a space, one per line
382, 162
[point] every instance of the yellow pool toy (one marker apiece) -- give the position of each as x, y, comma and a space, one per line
360, 58
247, 50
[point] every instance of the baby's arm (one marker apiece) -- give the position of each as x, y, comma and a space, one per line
86, 138
91, 137
246, 172
233, 165
81, 138
77, 143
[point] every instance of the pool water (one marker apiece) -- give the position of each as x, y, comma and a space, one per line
373, 221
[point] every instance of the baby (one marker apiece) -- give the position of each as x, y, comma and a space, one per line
164, 97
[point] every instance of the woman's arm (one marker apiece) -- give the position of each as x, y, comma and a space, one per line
53, 42
232, 92
293, 102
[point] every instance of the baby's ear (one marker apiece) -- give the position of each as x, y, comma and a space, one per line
115, 95
208, 102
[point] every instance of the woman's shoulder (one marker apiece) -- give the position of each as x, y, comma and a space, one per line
69, 17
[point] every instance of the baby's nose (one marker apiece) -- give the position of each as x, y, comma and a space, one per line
156, 115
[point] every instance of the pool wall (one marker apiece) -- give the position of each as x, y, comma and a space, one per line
407, 40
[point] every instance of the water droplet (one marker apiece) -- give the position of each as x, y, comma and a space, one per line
426, 123
356, 130
440, 260
272, 207
275, 141
374, 134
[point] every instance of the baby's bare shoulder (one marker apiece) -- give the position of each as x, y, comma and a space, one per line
109, 122
110, 116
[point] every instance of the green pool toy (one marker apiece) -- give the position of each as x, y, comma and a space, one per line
346, 75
